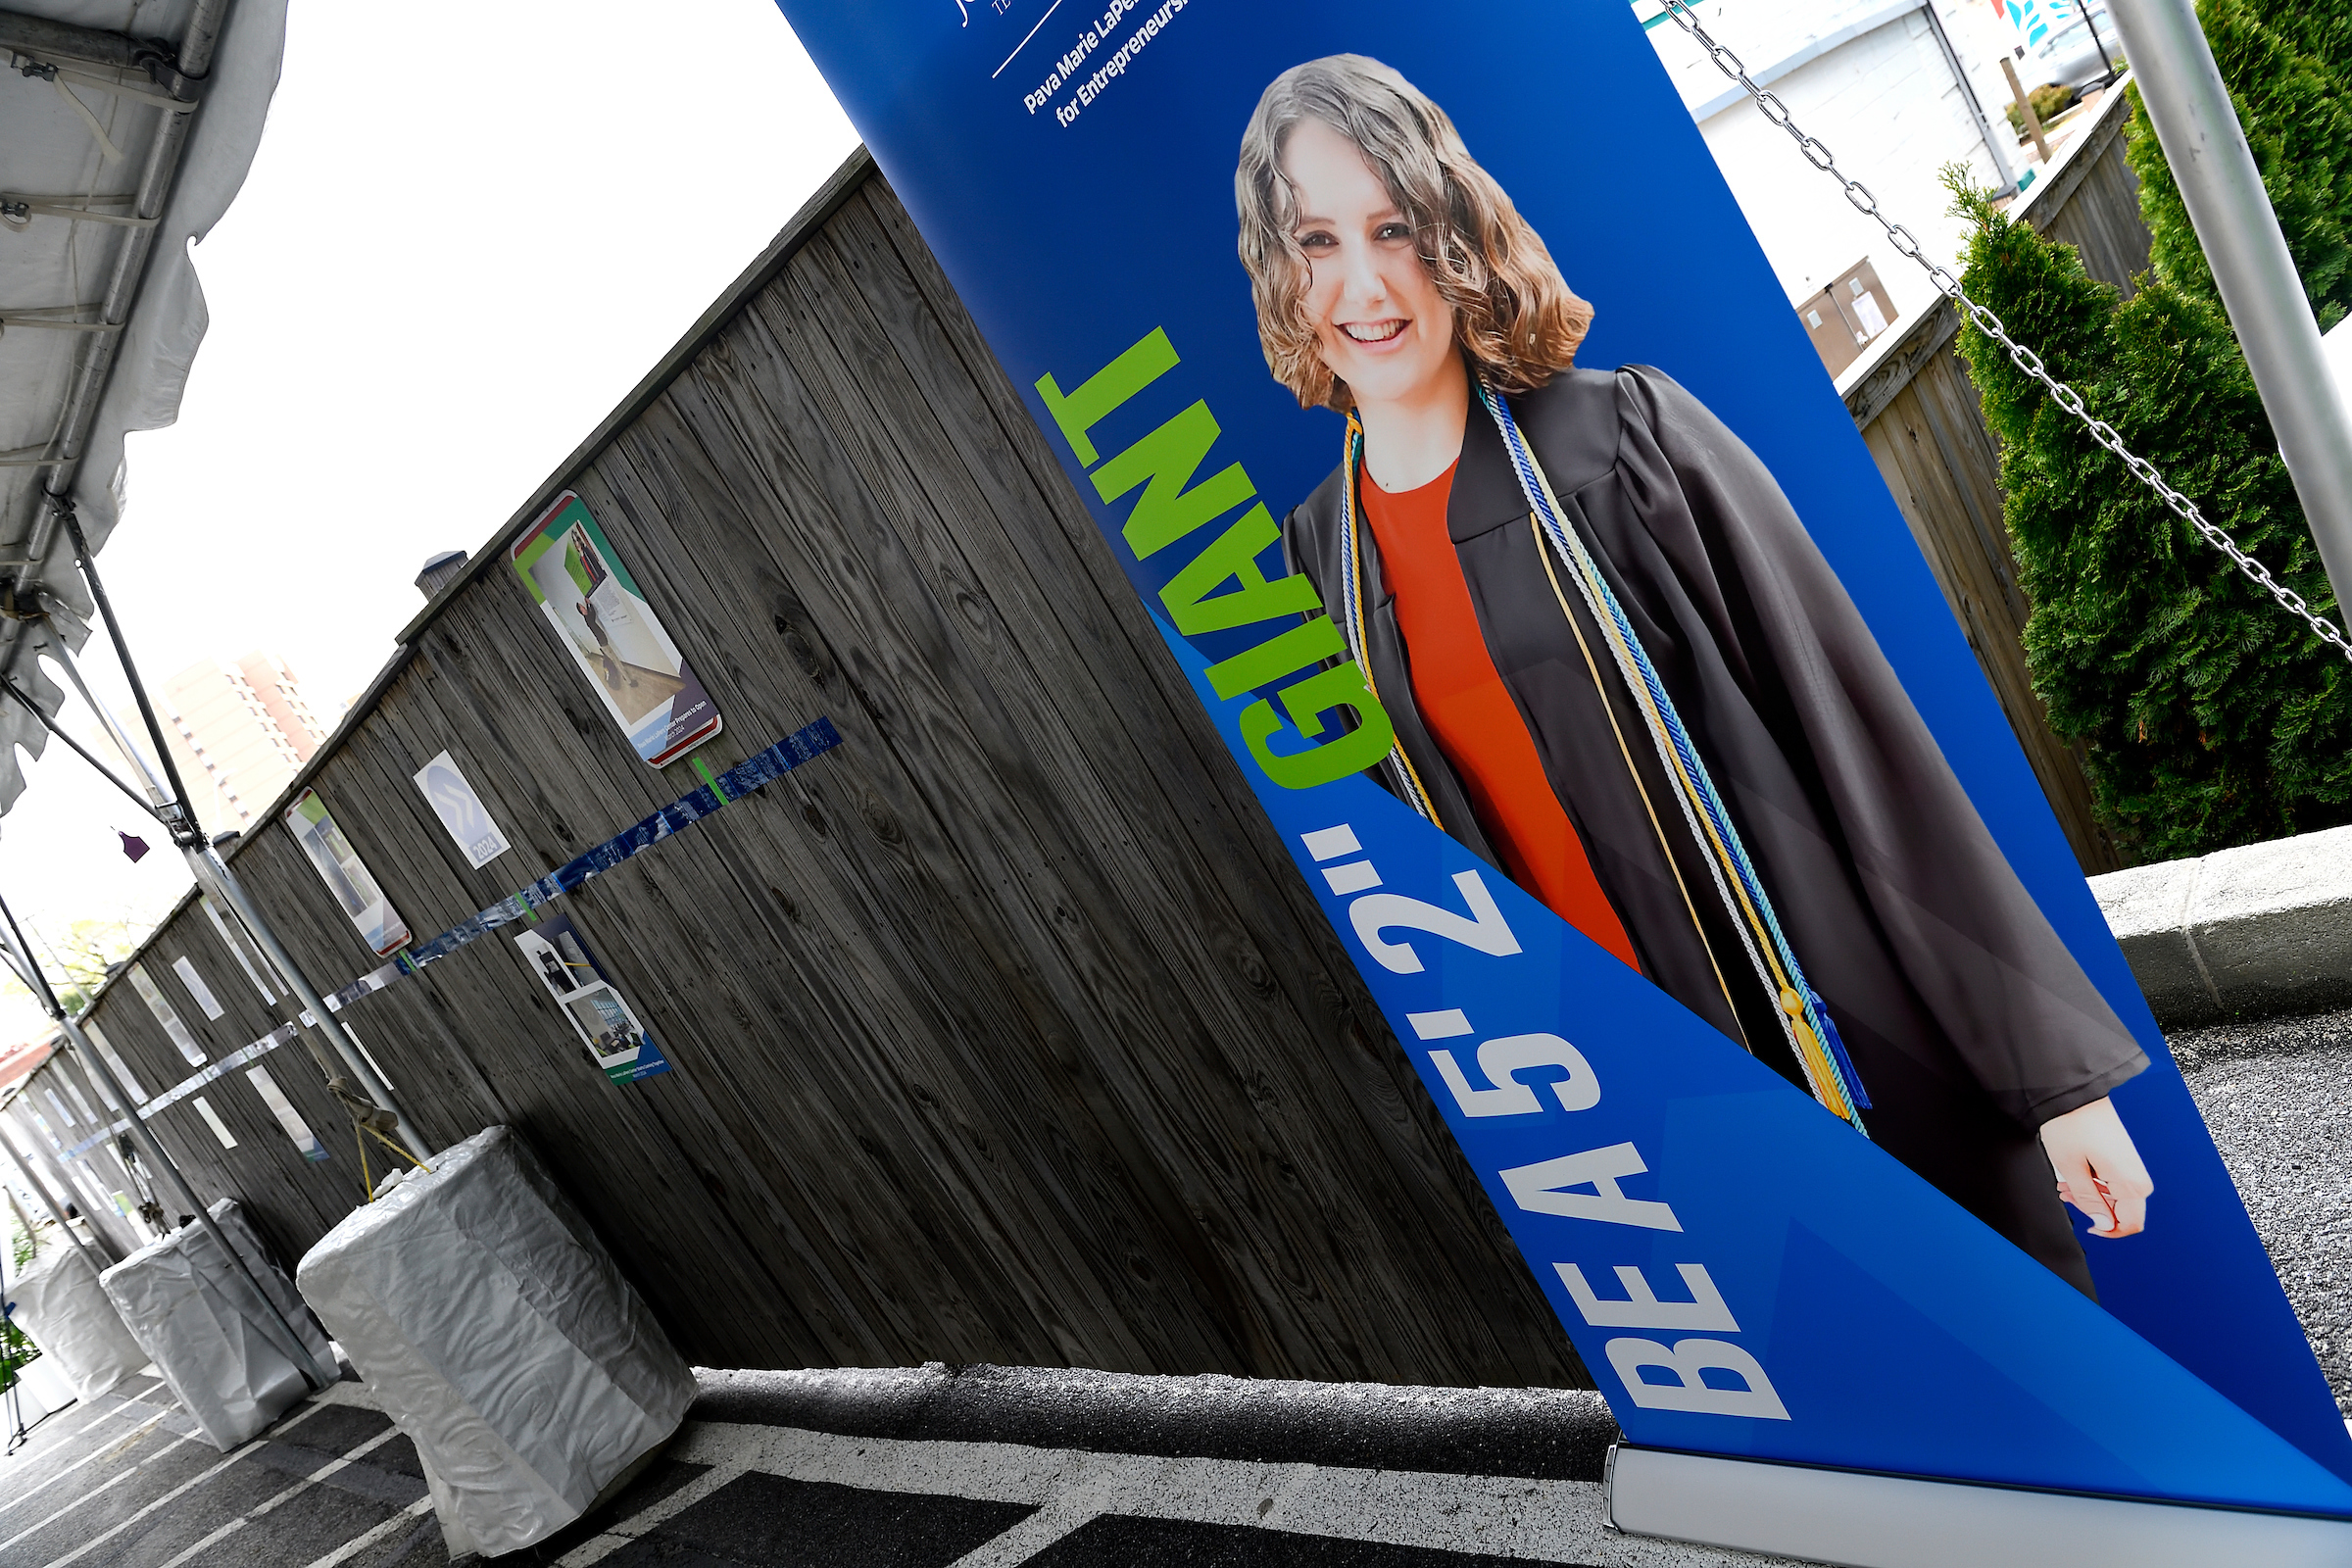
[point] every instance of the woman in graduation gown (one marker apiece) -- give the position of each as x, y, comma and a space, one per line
1517, 547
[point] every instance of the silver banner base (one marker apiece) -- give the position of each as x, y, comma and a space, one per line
1858, 1520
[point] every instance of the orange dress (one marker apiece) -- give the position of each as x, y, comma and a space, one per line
1471, 716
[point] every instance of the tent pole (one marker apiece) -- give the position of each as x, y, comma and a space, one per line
214, 875
141, 1222
98, 1259
2198, 126
95, 1065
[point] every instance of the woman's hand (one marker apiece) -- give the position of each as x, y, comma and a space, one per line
2099, 1172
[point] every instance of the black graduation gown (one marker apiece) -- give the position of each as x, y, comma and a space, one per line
1967, 1019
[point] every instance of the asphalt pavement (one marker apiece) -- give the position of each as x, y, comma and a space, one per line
2277, 1097
928, 1467
941, 1467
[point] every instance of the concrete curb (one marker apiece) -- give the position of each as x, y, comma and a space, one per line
2256, 932
1547, 1433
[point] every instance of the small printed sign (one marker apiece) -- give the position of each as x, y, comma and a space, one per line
197, 989
339, 866
609, 1028
460, 810
287, 1116
613, 634
165, 1015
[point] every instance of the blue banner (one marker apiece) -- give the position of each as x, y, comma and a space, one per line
1423, 375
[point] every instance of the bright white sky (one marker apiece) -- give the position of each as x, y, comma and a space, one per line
431, 288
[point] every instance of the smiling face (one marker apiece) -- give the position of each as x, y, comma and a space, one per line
1383, 326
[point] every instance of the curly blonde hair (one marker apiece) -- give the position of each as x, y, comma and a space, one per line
1515, 318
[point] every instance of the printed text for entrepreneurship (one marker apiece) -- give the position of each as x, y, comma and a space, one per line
1072, 69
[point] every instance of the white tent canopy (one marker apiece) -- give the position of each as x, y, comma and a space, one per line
125, 129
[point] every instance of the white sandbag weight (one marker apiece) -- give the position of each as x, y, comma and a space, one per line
495, 1328
221, 1351
63, 1308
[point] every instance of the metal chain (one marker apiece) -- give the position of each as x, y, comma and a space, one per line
1906, 244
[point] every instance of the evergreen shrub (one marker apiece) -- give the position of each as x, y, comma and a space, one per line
2209, 716
2048, 102
2296, 107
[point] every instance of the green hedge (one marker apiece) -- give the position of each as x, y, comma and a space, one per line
2209, 716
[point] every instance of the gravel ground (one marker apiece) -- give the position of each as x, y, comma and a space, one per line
2278, 1095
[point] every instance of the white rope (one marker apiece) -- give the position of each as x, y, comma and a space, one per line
106, 145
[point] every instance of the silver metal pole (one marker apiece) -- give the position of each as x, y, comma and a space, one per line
94, 1066
215, 874
320, 1377
215, 877
98, 1259
141, 1225
2202, 140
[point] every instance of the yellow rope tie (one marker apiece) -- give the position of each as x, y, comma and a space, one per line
360, 1131
397, 1148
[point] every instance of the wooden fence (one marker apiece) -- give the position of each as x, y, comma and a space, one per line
1005, 1031
1919, 414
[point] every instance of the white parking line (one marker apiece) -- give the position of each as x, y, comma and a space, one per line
37, 1529
97, 1412
112, 1449
185, 1487
360, 1542
645, 1519
1503, 1516
258, 1509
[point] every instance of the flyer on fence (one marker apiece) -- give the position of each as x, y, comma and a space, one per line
613, 634
622, 1048
1428, 384
346, 876
451, 797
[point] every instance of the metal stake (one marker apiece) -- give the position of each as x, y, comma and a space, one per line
95, 1065
2105, 59
215, 877
1975, 105
2202, 140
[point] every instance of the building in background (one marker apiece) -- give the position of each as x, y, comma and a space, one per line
1898, 90
239, 733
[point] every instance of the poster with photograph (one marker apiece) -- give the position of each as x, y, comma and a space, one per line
339, 867
618, 642
621, 1046
460, 810
1427, 383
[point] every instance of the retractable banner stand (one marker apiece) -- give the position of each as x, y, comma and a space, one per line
1442, 408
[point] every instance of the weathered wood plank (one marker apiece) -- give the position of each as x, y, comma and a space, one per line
1005, 1032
